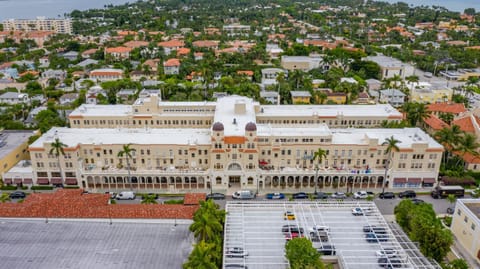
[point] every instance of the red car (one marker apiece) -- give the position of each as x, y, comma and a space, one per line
292, 235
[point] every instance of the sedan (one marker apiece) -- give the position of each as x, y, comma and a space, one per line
386, 252
338, 195
216, 196
17, 195
288, 216
320, 195
393, 262
292, 235
236, 252
417, 201
276, 196
360, 195
387, 195
357, 211
300, 195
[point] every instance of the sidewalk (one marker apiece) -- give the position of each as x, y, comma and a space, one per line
459, 252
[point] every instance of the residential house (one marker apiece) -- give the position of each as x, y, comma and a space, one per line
134, 44
389, 67
13, 98
30, 121
59, 75
206, 44
373, 84
336, 97
171, 45
271, 97
68, 98
429, 94
171, 66
10, 83
466, 228
246, 73
137, 75
363, 98
125, 95
273, 50
152, 65
70, 55
394, 97
118, 53
87, 62
236, 29
434, 124
183, 52
93, 93
300, 97
198, 56
44, 62
195, 77
88, 53
148, 92
269, 76
106, 74
303, 63
453, 108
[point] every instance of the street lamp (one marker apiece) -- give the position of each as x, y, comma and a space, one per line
211, 186
385, 178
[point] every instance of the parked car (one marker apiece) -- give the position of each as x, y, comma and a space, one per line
292, 235
319, 237
288, 215
407, 194
387, 195
319, 228
450, 210
375, 229
374, 238
386, 253
17, 195
235, 265
236, 252
327, 250
275, 195
338, 195
360, 195
300, 195
216, 196
357, 211
320, 195
417, 201
389, 263
126, 195
244, 195
292, 229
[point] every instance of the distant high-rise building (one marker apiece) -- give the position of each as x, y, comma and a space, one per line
61, 26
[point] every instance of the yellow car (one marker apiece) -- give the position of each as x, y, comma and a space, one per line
289, 216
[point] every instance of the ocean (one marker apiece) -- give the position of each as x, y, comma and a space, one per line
28, 9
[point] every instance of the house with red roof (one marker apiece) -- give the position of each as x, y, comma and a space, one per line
171, 45
171, 66
118, 53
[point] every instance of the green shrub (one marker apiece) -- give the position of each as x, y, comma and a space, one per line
8, 188
24, 188
71, 187
448, 221
41, 188
173, 202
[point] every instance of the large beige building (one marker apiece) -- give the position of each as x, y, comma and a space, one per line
61, 26
233, 143
13, 148
466, 227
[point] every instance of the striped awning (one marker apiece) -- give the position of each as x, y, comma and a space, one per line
17, 181
43, 181
56, 181
415, 180
429, 180
399, 180
27, 181
7, 181
71, 181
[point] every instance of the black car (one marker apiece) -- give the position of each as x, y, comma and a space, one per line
385, 262
216, 196
407, 194
17, 195
292, 229
375, 229
300, 195
417, 201
320, 195
327, 250
387, 195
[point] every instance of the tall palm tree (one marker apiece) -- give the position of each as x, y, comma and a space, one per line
392, 145
201, 257
57, 149
318, 155
449, 138
127, 151
468, 144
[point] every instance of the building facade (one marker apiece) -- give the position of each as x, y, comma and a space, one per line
466, 227
13, 148
233, 143
61, 26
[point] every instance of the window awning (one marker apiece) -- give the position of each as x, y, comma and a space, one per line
17, 181
42, 181
7, 181
27, 181
399, 180
429, 180
415, 180
71, 181
56, 181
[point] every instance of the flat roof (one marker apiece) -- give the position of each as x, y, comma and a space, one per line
12, 140
257, 228
296, 131
360, 111
102, 110
473, 205
110, 136
83, 244
234, 121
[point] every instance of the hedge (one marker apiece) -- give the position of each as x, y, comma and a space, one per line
8, 188
41, 188
464, 181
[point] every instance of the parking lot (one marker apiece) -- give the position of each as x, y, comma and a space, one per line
257, 228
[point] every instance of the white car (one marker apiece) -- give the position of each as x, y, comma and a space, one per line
386, 252
319, 228
360, 195
338, 195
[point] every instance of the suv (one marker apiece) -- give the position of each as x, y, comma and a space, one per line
387, 195
327, 250
320, 195
392, 262
407, 194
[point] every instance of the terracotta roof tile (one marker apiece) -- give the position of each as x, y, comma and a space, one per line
75, 204
435, 123
206, 43
194, 198
465, 124
455, 108
136, 44
118, 50
172, 62
470, 158
171, 43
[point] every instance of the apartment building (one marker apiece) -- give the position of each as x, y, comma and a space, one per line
13, 148
390, 67
466, 227
60, 26
233, 142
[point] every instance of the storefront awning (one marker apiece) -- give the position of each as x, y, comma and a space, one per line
429, 180
399, 180
17, 181
27, 181
42, 181
56, 181
415, 180
71, 181
7, 181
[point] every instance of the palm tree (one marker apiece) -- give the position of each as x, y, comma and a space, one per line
4, 198
128, 153
57, 149
392, 145
468, 144
318, 155
201, 257
149, 199
449, 138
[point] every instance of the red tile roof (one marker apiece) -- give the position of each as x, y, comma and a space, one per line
74, 204
466, 123
206, 43
245, 72
118, 50
455, 108
136, 44
194, 198
172, 62
470, 158
435, 123
171, 43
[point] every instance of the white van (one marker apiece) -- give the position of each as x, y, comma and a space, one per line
126, 195
243, 194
